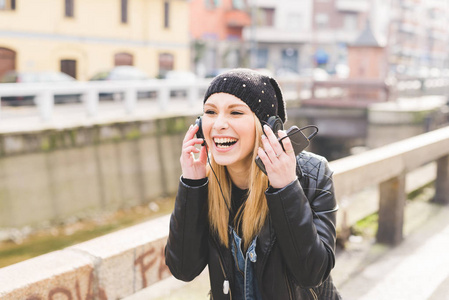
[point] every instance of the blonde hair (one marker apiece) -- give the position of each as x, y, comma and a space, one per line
253, 212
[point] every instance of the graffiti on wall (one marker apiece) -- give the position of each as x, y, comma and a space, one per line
150, 266
153, 258
76, 294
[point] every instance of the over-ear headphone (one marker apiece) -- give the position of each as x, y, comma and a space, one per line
199, 133
275, 123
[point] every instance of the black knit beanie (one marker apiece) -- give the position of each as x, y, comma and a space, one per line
261, 93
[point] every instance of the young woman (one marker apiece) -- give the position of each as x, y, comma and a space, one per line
262, 236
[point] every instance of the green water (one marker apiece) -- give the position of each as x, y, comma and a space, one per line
61, 237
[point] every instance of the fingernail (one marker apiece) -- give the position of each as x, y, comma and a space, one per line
263, 136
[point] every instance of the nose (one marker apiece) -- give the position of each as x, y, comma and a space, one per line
221, 122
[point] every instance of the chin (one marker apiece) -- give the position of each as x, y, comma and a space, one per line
223, 161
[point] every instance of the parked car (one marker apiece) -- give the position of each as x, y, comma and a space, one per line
181, 77
38, 77
122, 73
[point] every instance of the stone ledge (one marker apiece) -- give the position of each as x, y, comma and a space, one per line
90, 269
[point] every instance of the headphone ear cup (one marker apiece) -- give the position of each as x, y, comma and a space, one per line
275, 124
199, 133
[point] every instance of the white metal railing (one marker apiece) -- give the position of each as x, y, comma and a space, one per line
44, 92
293, 89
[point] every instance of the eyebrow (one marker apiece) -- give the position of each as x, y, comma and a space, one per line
230, 106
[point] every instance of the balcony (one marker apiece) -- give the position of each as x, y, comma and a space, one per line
352, 5
237, 18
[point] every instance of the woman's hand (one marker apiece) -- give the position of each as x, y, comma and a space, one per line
193, 168
280, 165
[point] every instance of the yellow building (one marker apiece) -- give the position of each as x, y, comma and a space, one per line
83, 37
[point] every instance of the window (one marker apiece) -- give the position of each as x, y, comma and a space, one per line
166, 63
321, 20
69, 8
7, 60
266, 17
68, 66
166, 14
350, 22
124, 11
262, 58
290, 59
7, 4
123, 59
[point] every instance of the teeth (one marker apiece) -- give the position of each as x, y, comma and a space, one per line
224, 140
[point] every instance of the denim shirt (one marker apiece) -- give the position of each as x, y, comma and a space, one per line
245, 279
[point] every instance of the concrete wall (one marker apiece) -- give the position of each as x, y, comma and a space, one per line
109, 267
54, 174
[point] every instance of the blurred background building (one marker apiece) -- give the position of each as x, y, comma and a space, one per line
83, 37
283, 37
216, 30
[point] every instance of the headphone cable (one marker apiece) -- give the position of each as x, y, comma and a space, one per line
219, 185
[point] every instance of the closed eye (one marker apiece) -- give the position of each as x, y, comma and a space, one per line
209, 112
236, 113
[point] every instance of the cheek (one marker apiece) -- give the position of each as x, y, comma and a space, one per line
249, 138
206, 126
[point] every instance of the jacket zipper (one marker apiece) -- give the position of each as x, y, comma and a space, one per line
314, 295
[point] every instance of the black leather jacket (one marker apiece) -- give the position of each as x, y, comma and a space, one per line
295, 248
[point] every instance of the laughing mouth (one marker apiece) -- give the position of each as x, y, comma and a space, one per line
224, 142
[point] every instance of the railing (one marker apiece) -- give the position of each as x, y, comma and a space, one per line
362, 92
353, 92
44, 92
119, 264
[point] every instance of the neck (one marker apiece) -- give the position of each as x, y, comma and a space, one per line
240, 175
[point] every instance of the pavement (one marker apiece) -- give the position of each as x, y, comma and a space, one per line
416, 269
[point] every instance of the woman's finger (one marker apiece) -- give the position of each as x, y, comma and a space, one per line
192, 142
189, 150
191, 132
273, 140
203, 154
269, 151
264, 157
286, 143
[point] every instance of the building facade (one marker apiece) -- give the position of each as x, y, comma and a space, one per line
281, 34
418, 37
83, 37
216, 31
291, 36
